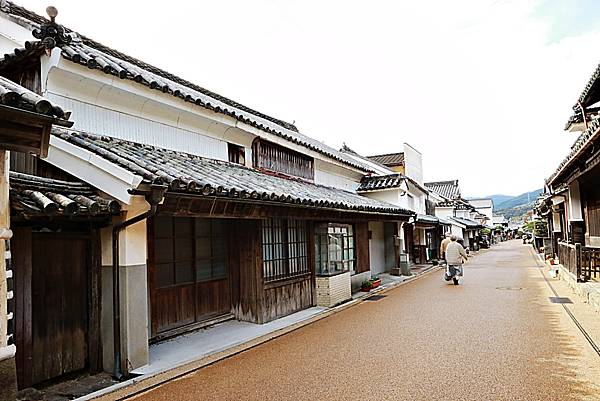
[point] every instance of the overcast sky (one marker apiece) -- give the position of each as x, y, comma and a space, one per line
482, 88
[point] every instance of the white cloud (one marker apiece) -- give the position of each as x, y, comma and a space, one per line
475, 85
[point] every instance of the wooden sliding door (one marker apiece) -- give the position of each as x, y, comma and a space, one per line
188, 271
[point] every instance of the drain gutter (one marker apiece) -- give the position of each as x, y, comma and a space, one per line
153, 196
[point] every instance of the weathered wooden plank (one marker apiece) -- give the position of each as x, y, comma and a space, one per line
361, 243
21, 257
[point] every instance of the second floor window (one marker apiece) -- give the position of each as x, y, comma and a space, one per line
276, 158
237, 153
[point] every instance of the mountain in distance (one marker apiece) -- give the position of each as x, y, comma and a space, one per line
523, 199
498, 199
514, 207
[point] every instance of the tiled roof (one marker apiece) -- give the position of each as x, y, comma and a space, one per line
448, 189
378, 182
467, 222
582, 142
186, 173
591, 89
425, 218
389, 159
94, 55
33, 195
15, 96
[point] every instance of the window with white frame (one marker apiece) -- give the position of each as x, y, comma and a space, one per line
335, 252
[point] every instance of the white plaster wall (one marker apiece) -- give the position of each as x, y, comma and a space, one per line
458, 231
575, 209
94, 87
377, 247
556, 222
418, 199
334, 176
392, 196
444, 212
104, 121
413, 164
419, 235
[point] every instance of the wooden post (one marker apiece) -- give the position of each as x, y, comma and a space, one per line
8, 378
5, 234
578, 261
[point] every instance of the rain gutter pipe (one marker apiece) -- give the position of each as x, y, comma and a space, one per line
153, 196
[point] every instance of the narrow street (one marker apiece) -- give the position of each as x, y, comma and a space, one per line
496, 337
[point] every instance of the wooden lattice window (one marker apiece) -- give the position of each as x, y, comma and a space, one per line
284, 248
188, 250
272, 157
236, 153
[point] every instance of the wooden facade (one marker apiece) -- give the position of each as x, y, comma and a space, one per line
57, 308
245, 292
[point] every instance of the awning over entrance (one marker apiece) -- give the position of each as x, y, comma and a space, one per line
189, 174
31, 195
426, 221
468, 223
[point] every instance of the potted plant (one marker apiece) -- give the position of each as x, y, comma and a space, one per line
375, 282
366, 286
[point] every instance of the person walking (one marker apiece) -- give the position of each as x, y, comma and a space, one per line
455, 257
444, 245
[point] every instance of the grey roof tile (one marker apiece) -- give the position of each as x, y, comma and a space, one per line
32, 195
448, 189
583, 141
186, 173
389, 159
14, 95
467, 222
378, 182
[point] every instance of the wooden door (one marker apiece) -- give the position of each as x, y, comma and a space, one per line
59, 305
188, 271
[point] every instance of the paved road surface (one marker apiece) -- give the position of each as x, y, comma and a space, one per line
498, 336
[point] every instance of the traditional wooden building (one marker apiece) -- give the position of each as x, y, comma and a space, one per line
572, 191
225, 212
25, 122
398, 179
466, 222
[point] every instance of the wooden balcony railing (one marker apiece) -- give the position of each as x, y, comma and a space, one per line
583, 262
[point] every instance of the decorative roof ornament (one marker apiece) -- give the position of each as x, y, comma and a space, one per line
50, 33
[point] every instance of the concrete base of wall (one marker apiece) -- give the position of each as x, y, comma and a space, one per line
587, 292
8, 379
134, 317
358, 279
333, 290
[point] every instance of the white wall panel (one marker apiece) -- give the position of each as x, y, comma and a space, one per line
102, 121
377, 247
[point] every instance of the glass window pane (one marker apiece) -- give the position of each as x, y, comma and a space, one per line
203, 269
184, 272
184, 249
219, 248
164, 275
219, 268
163, 250
203, 248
